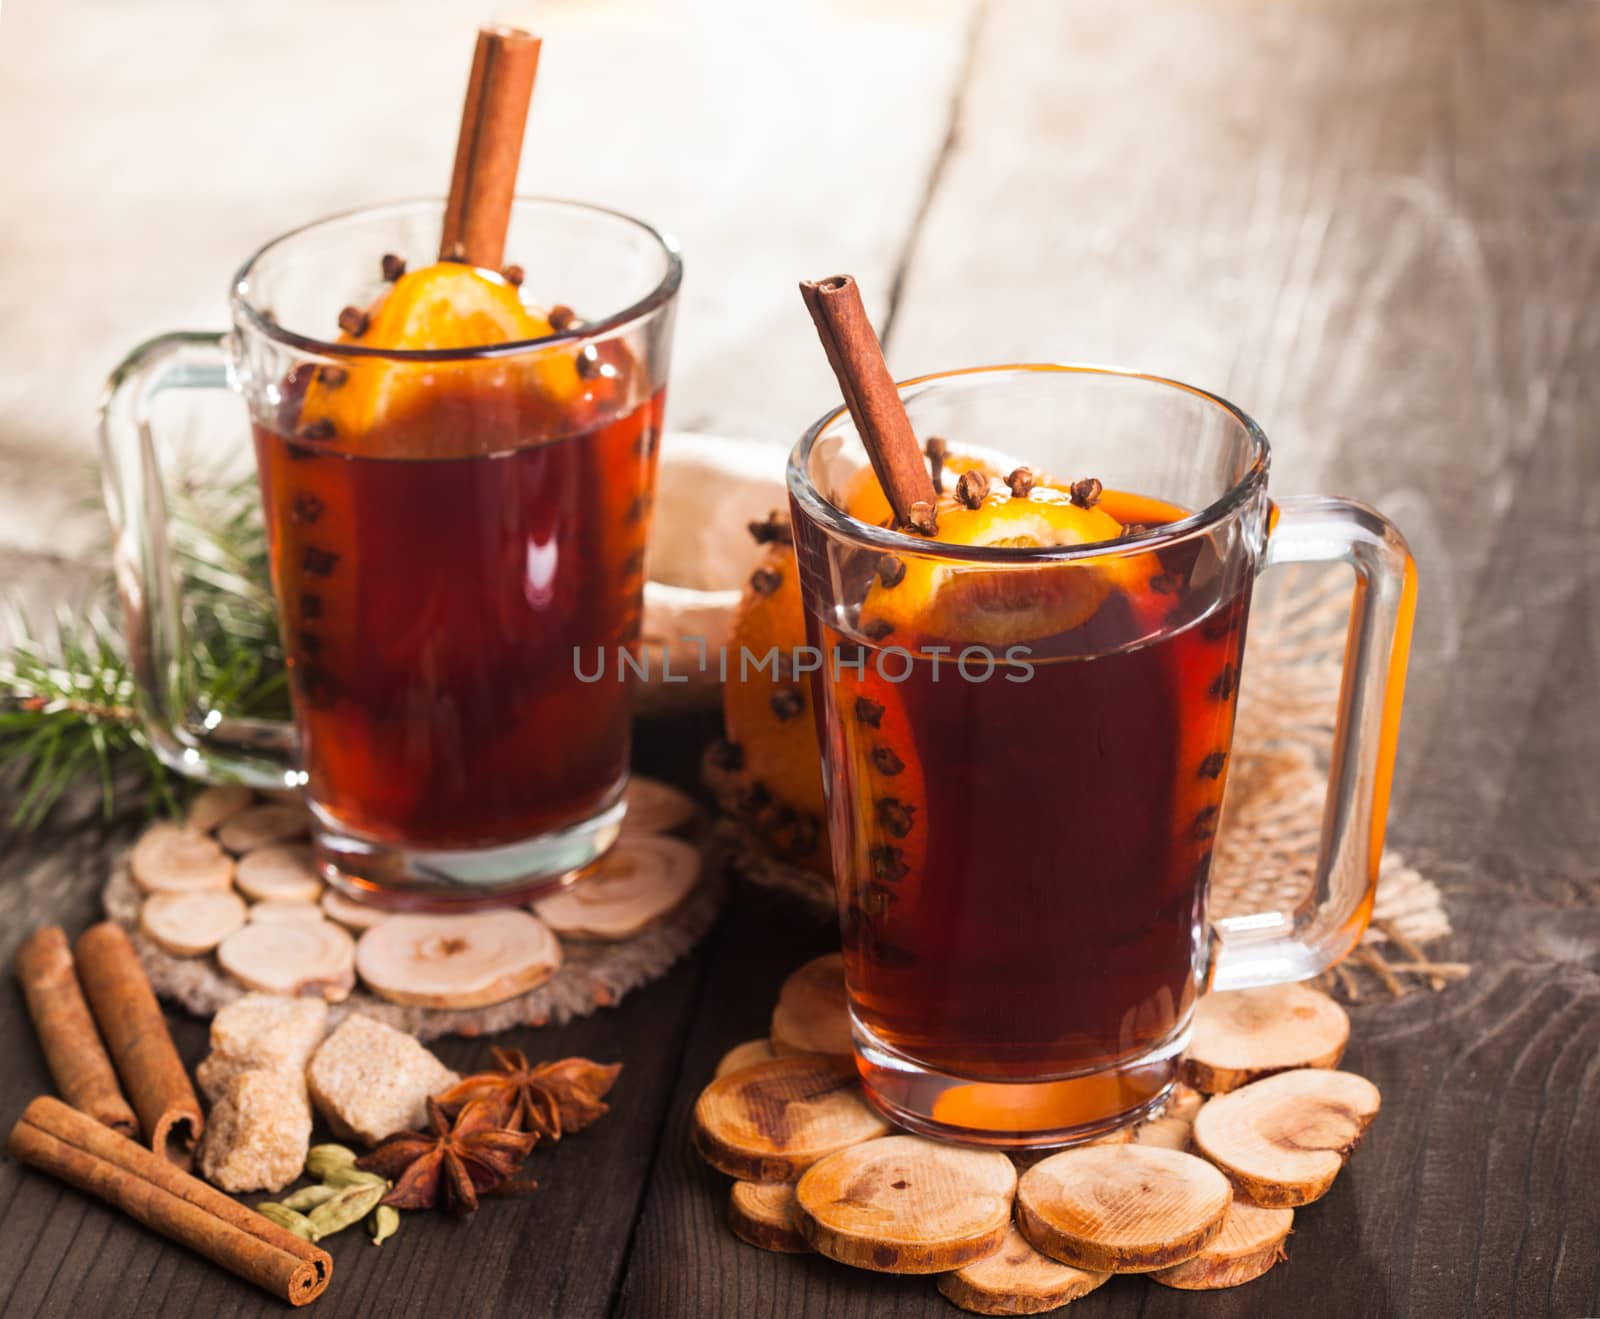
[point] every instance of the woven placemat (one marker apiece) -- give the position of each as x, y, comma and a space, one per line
593, 974
1272, 816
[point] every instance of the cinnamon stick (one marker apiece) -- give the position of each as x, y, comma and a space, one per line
141, 1046
67, 1033
70, 1146
874, 402
490, 147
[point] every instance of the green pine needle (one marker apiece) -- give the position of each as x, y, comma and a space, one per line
66, 693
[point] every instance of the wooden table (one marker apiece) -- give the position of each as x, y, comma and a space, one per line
1375, 226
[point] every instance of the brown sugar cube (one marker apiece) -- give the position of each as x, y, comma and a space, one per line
262, 1032
369, 1081
258, 1133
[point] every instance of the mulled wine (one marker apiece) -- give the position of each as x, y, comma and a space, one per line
435, 572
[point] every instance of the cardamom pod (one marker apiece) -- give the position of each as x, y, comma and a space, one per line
383, 1224
340, 1178
323, 1159
284, 1217
346, 1209
309, 1197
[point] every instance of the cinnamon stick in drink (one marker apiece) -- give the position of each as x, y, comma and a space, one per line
490, 147
140, 1044
67, 1034
874, 402
70, 1146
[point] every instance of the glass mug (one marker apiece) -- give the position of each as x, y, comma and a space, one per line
1025, 749
445, 526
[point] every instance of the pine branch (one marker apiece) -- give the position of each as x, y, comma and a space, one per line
67, 696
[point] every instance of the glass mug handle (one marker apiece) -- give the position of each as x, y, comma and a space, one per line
258, 752
1269, 948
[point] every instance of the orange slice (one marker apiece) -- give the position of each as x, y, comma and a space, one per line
443, 306
865, 501
998, 607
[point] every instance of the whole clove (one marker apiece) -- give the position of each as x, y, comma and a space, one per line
972, 487
1020, 481
354, 322
1086, 493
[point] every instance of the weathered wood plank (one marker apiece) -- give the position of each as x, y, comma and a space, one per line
1374, 231
559, 1251
161, 149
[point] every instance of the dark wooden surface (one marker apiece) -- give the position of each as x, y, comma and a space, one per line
1378, 228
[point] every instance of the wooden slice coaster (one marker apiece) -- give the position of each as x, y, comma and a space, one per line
1245, 1034
906, 1204
264, 825
813, 1012
275, 910
763, 1214
294, 958
465, 960
1282, 1140
638, 881
189, 924
214, 805
280, 873
744, 1055
1250, 1243
351, 914
655, 807
1183, 1102
1017, 1279
171, 859
1172, 1126
772, 1121
1167, 1133
1122, 1208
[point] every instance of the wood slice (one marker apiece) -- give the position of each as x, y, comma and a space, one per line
281, 873
1026, 1158
1281, 1141
655, 807
275, 910
1017, 1279
171, 859
763, 1214
1171, 1128
1168, 1133
1122, 1208
189, 924
906, 1204
1183, 1102
638, 881
1246, 1034
214, 805
264, 825
744, 1055
291, 957
465, 960
813, 1012
1250, 1243
772, 1121
351, 914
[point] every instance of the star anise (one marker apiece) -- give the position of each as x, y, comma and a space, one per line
455, 1163
551, 1099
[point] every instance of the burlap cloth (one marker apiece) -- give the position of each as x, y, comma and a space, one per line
1272, 817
